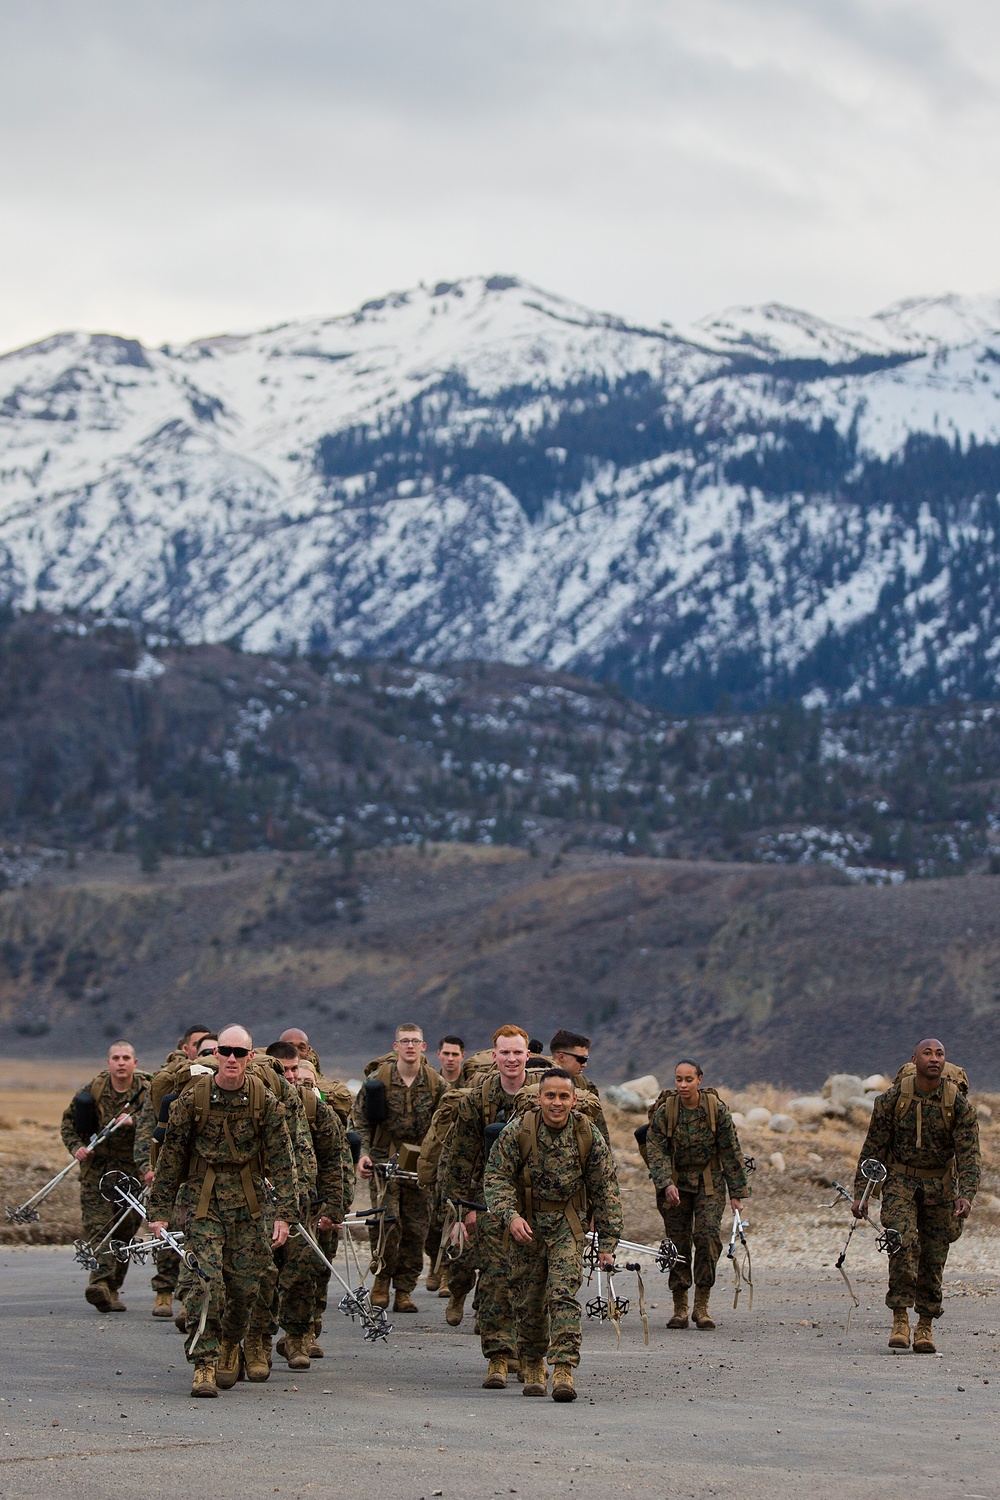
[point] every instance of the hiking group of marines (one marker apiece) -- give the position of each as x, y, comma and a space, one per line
496, 1166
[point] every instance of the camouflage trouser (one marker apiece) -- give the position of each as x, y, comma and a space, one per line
98, 1216
297, 1284
432, 1244
695, 1225
462, 1272
546, 1277
329, 1241
235, 1254
403, 1245
168, 1265
497, 1319
924, 1214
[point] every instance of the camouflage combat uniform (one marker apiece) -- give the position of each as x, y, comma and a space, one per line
432, 1245
166, 1261
408, 1116
300, 1274
694, 1160
229, 1232
291, 1265
918, 1196
113, 1154
461, 1176
329, 1239
546, 1274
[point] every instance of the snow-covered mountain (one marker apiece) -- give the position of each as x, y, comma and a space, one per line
762, 503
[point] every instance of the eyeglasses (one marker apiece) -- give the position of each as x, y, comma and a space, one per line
233, 1051
583, 1061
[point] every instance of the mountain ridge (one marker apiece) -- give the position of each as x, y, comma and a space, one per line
764, 504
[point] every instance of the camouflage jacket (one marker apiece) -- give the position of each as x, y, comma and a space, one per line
117, 1150
272, 1148
408, 1112
558, 1176
460, 1171
588, 1093
164, 1076
684, 1159
891, 1139
328, 1141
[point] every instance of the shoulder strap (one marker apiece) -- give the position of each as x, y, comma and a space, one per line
309, 1102
584, 1133
258, 1100
201, 1095
98, 1087
384, 1072
712, 1100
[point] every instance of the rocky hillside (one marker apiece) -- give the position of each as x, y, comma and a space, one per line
763, 504
764, 972
114, 740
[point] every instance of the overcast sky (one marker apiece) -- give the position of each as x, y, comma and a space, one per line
182, 167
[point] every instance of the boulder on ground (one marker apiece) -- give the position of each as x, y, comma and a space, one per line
875, 1083
758, 1115
646, 1087
984, 1112
623, 1098
859, 1108
739, 1121
782, 1124
843, 1086
813, 1107
777, 1161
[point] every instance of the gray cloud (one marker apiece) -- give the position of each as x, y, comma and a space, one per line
169, 170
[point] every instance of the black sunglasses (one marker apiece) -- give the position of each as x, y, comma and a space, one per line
583, 1061
233, 1051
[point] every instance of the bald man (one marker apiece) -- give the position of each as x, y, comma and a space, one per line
925, 1132
300, 1042
216, 1176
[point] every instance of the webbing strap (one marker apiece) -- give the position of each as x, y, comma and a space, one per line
923, 1174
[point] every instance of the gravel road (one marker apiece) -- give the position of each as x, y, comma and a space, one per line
777, 1402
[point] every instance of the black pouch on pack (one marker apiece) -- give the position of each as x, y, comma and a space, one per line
354, 1141
160, 1131
374, 1100
640, 1135
85, 1121
490, 1136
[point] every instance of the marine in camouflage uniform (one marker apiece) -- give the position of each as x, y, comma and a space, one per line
565, 1192
290, 1268
225, 1223
707, 1170
460, 1176
329, 1239
930, 1168
297, 1283
407, 1119
113, 1154
167, 1262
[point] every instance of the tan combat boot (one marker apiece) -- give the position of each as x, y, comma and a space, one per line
204, 1381
257, 1355
535, 1377
496, 1375
563, 1388
314, 1348
404, 1303
899, 1338
923, 1336
117, 1305
443, 1288
98, 1294
295, 1351
164, 1305
380, 1292
227, 1364
455, 1311
433, 1281
680, 1317
700, 1313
